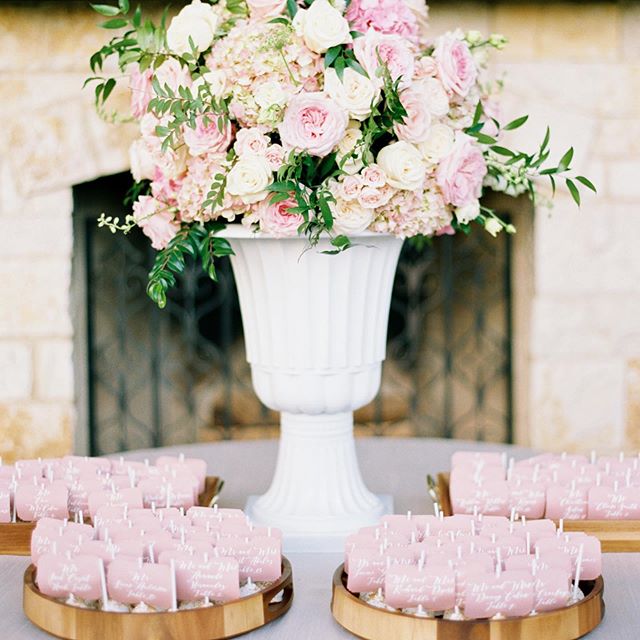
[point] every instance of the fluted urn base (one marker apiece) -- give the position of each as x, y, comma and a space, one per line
317, 495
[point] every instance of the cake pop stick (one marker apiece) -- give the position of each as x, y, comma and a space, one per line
576, 587
174, 588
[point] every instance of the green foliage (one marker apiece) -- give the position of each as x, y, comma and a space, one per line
199, 242
342, 57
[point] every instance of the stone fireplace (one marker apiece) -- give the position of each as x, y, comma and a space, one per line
576, 274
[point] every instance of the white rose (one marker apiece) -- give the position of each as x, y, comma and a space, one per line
270, 94
438, 144
142, 160
355, 93
198, 21
493, 226
216, 81
352, 136
249, 179
468, 212
403, 165
321, 26
435, 95
350, 217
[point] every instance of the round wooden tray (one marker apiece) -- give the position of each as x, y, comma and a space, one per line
208, 623
15, 537
370, 623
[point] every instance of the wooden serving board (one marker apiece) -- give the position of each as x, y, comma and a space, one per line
208, 623
616, 536
15, 537
370, 623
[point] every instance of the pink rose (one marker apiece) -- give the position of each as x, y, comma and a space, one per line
265, 8
276, 220
417, 122
173, 74
372, 197
155, 220
275, 156
425, 67
460, 173
313, 123
206, 137
373, 176
349, 188
456, 67
393, 50
251, 141
165, 189
385, 16
141, 91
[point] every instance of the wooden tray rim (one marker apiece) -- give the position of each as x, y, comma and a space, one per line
431, 625
262, 598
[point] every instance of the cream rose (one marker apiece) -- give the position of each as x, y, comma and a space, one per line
468, 212
403, 165
321, 26
249, 179
438, 144
347, 145
216, 82
198, 21
265, 8
350, 217
355, 93
142, 160
269, 94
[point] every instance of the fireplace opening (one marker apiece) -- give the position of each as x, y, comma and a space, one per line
148, 377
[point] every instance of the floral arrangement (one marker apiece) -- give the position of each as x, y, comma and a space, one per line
323, 118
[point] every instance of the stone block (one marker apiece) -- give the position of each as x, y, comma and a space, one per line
632, 383
630, 26
619, 138
54, 370
25, 237
623, 179
35, 299
32, 429
577, 405
467, 16
16, 370
517, 23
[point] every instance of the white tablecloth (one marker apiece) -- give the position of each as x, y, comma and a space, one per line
389, 465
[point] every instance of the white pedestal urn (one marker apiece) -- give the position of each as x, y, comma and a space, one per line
315, 328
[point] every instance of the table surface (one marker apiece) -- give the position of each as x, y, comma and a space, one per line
247, 468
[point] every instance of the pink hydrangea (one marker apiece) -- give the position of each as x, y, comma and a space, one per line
276, 220
313, 123
156, 221
461, 172
385, 16
196, 185
456, 67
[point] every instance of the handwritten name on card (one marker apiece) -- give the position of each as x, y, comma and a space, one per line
58, 576
410, 586
131, 583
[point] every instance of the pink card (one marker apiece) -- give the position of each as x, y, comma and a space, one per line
58, 577
218, 578
400, 555
131, 497
42, 500
5, 503
511, 545
98, 548
259, 558
552, 589
604, 503
129, 549
195, 466
569, 545
491, 498
401, 524
131, 583
538, 529
366, 571
235, 526
360, 541
203, 514
567, 503
27, 469
410, 586
527, 498
428, 525
511, 594
79, 491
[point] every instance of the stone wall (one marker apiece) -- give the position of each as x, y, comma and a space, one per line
574, 66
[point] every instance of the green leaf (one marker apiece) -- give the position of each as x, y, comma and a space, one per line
502, 151
108, 88
331, 54
587, 183
115, 23
280, 20
575, 194
477, 114
292, 8
137, 17
515, 124
339, 66
106, 10
356, 66
545, 142
565, 161
124, 5
341, 241
327, 216
483, 138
